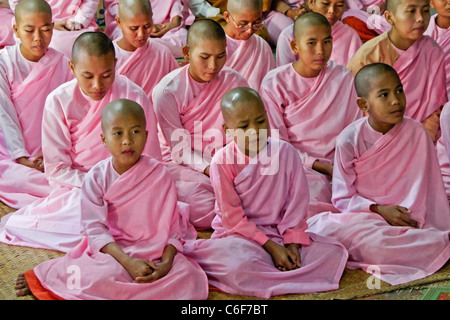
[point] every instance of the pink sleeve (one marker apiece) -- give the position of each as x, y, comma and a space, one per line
177, 9
345, 197
166, 107
94, 212
445, 126
234, 219
9, 122
86, 12
57, 145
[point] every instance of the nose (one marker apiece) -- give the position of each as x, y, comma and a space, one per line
127, 139
320, 48
420, 16
37, 36
331, 10
97, 83
140, 32
212, 63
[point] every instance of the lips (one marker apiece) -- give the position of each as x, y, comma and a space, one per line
128, 152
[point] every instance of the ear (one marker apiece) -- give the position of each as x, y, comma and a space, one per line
226, 16
293, 45
72, 67
185, 50
310, 4
389, 17
103, 139
16, 30
118, 22
224, 127
362, 104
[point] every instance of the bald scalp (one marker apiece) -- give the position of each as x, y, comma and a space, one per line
94, 44
123, 107
129, 8
392, 5
205, 29
309, 19
235, 98
31, 6
371, 71
238, 6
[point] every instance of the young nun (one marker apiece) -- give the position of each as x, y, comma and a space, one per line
388, 186
259, 246
132, 245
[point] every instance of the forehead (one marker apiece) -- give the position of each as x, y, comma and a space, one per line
36, 18
416, 3
246, 109
130, 16
210, 46
92, 63
122, 119
247, 15
383, 80
308, 31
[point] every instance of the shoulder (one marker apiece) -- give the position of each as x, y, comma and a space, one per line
172, 80
429, 44
281, 73
350, 134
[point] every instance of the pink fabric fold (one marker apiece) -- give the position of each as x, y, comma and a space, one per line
6, 31
252, 58
397, 168
120, 208
147, 65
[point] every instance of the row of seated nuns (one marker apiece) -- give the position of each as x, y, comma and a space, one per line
189, 65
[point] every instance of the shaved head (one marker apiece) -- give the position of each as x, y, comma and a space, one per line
31, 6
371, 71
392, 5
205, 29
94, 44
308, 19
238, 6
132, 7
236, 98
124, 107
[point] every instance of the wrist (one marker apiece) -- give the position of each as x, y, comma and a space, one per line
374, 208
286, 11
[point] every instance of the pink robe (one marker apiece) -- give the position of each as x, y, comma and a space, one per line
368, 12
24, 86
397, 168
191, 121
71, 146
310, 113
443, 148
444, 42
163, 12
256, 203
433, 30
81, 11
346, 42
425, 91
120, 208
7, 37
147, 65
252, 58
276, 22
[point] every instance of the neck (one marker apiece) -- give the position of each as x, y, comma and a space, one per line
304, 71
398, 41
229, 31
125, 45
443, 22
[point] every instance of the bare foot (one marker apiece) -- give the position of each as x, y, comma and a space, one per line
22, 288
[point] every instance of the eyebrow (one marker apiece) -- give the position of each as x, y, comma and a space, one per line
327, 38
32, 26
211, 54
88, 72
119, 128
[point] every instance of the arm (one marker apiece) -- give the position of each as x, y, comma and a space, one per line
345, 196
85, 13
234, 218
286, 9
9, 122
57, 145
203, 8
163, 268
